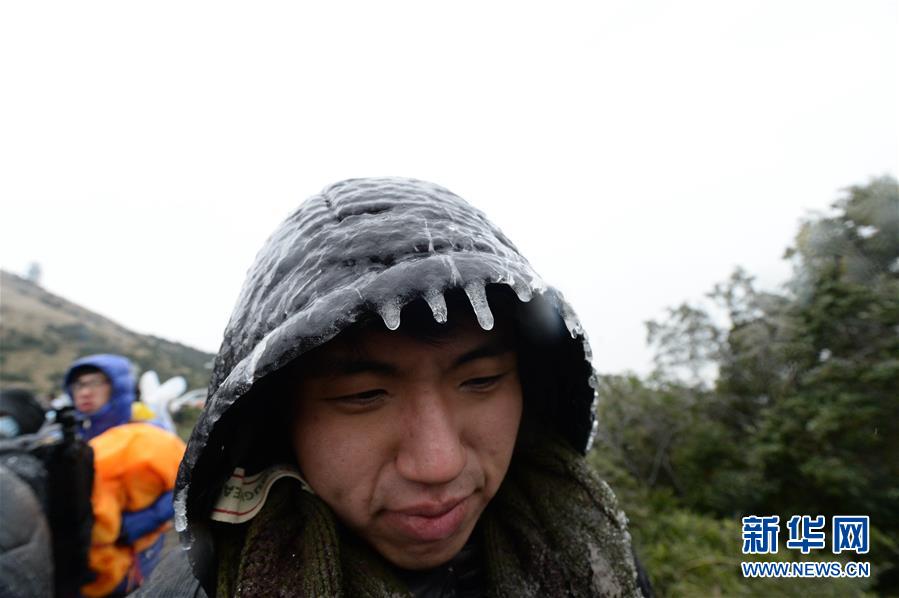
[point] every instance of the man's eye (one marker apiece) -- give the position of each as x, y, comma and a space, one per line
362, 398
482, 383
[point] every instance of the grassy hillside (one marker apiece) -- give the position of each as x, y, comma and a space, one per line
41, 334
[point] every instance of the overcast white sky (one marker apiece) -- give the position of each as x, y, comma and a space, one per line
635, 151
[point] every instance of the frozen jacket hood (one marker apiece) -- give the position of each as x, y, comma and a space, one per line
118, 410
361, 246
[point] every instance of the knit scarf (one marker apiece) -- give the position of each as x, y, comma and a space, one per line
553, 529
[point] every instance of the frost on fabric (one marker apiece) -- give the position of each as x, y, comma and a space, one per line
455, 276
577, 332
254, 359
604, 581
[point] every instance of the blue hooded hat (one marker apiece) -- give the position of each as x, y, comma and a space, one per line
118, 410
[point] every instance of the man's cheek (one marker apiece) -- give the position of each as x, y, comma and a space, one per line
332, 462
500, 419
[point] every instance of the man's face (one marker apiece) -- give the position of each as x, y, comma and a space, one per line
408, 440
90, 392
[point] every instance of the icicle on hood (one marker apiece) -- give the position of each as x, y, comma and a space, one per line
118, 410
361, 246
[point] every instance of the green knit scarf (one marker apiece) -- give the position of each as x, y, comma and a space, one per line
553, 529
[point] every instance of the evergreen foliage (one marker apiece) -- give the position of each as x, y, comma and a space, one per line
802, 416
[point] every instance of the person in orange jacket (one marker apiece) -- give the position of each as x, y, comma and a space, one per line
135, 465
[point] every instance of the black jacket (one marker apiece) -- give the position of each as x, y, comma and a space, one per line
26, 555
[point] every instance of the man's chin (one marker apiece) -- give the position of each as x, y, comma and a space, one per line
423, 557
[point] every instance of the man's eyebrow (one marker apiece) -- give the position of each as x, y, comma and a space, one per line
491, 348
347, 365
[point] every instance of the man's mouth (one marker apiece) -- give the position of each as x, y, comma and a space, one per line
429, 522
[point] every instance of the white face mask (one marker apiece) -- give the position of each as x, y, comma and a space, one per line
9, 427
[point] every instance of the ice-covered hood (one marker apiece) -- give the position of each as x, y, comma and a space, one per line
361, 246
118, 410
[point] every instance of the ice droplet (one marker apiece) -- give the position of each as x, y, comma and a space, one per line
574, 327
571, 321
478, 299
523, 291
437, 303
594, 427
180, 505
390, 313
588, 351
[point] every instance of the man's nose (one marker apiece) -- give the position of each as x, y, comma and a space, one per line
431, 450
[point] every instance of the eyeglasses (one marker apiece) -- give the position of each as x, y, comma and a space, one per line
87, 383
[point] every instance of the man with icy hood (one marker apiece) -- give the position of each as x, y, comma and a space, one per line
400, 407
